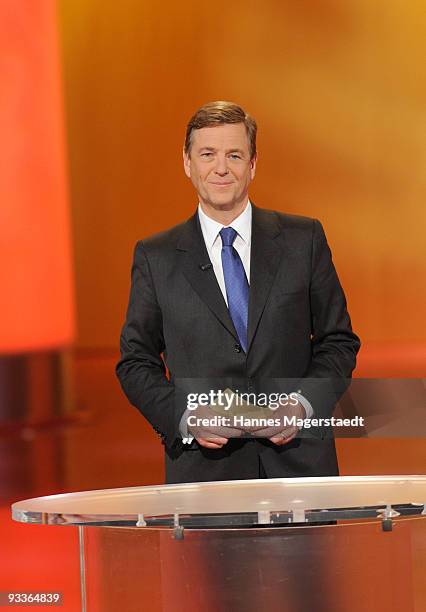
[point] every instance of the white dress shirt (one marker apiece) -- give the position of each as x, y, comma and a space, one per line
242, 244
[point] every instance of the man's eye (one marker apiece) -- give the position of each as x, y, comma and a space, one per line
206, 154
235, 156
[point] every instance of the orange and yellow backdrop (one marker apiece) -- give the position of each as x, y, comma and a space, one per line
339, 93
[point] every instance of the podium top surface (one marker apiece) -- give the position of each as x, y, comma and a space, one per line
224, 497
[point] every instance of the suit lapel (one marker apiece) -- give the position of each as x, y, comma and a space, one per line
192, 250
264, 263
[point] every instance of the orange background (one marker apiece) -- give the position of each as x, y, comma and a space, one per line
339, 97
37, 301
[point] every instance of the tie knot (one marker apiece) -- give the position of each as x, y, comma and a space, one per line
228, 235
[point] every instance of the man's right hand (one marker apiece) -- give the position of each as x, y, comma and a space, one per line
213, 442
210, 436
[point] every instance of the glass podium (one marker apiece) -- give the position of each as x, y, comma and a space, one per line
338, 544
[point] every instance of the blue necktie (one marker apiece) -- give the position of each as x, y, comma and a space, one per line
237, 287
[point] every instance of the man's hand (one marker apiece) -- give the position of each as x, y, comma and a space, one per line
280, 434
216, 436
209, 435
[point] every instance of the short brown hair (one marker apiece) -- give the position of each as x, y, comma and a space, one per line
218, 113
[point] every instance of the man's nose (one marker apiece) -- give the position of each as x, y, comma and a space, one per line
221, 166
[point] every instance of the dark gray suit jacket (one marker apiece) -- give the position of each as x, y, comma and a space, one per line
299, 329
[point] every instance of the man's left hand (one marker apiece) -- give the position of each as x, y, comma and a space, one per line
279, 434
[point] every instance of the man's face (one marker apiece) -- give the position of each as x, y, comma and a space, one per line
219, 165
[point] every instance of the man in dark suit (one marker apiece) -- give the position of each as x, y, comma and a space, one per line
241, 295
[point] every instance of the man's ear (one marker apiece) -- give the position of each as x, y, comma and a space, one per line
253, 163
187, 164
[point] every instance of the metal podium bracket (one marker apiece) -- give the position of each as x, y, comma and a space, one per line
298, 515
387, 515
178, 530
141, 521
264, 517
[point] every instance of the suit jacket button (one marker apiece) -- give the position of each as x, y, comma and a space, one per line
237, 348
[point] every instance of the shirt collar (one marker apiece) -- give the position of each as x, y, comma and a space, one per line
211, 228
